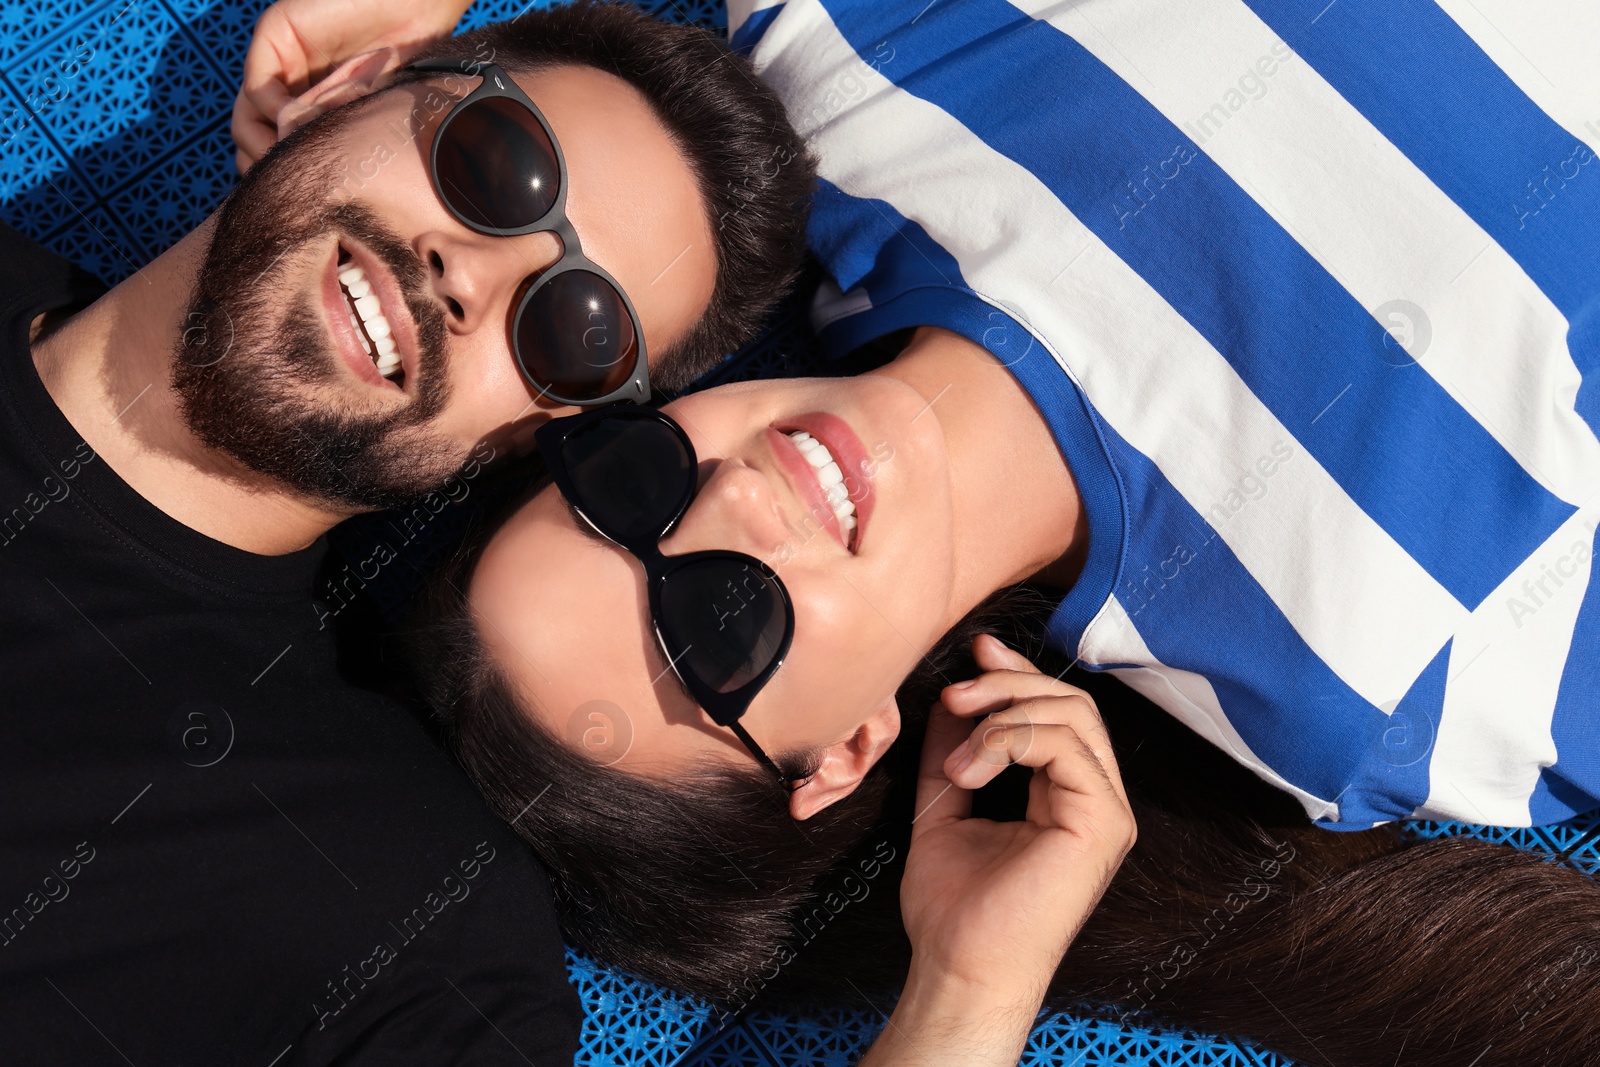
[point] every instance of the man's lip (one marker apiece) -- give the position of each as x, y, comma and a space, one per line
395, 309
851, 455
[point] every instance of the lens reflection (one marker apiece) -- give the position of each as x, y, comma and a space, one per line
497, 169
574, 336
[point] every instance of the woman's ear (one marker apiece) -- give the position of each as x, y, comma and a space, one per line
846, 762
356, 77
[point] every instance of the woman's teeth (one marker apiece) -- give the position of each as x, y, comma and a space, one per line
377, 337
832, 478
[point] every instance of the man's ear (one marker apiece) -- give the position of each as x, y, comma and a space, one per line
846, 762
356, 77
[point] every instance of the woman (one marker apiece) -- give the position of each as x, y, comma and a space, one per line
683, 855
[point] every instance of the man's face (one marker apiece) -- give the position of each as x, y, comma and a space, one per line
272, 366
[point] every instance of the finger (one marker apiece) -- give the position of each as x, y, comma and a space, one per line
1030, 734
252, 134
1075, 709
1070, 795
998, 689
1078, 712
994, 654
267, 98
939, 801
1065, 756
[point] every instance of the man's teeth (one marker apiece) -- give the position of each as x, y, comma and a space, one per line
832, 478
377, 337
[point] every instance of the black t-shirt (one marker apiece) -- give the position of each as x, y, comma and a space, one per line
213, 850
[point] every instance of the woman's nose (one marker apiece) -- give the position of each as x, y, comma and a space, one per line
734, 510
476, 276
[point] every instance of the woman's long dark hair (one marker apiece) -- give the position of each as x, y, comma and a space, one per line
1232, 914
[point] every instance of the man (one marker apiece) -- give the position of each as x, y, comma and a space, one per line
216, 849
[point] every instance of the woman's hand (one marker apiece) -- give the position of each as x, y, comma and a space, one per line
991, 907
297, 42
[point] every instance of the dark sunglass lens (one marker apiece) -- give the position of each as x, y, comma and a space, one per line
575, 338
632, 476
496, 167
726, 621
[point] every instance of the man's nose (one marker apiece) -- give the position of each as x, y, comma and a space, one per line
734, 510
477, 276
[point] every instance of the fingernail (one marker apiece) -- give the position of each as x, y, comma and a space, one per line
959, 759
968, 684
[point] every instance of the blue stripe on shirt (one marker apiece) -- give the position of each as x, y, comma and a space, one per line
1296, 715
1296, 338
1402, 64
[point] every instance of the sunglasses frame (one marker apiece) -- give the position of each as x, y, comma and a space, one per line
495, 82
725, 709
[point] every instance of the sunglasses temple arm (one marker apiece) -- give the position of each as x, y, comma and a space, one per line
755, 750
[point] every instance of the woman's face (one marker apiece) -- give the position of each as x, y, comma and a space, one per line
566, 615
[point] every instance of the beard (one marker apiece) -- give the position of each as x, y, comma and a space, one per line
257, 372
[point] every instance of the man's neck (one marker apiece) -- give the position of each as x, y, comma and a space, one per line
109, 370
1017, 512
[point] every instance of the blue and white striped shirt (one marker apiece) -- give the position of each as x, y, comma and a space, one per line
1309, 294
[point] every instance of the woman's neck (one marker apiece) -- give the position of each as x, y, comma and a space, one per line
1017, 511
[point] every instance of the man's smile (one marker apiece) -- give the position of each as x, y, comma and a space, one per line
368, 318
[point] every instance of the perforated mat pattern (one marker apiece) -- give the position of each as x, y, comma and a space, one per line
115, 144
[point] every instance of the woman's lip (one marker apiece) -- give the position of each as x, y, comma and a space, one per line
803, 478
851, 455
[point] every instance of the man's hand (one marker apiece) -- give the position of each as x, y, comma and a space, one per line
297, 42
991, 907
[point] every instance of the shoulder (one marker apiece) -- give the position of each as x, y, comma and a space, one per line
34, 278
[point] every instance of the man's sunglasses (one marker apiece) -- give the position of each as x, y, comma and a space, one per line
723, 619
497, 168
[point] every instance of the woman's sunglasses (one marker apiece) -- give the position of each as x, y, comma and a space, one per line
723, 619
496, 166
